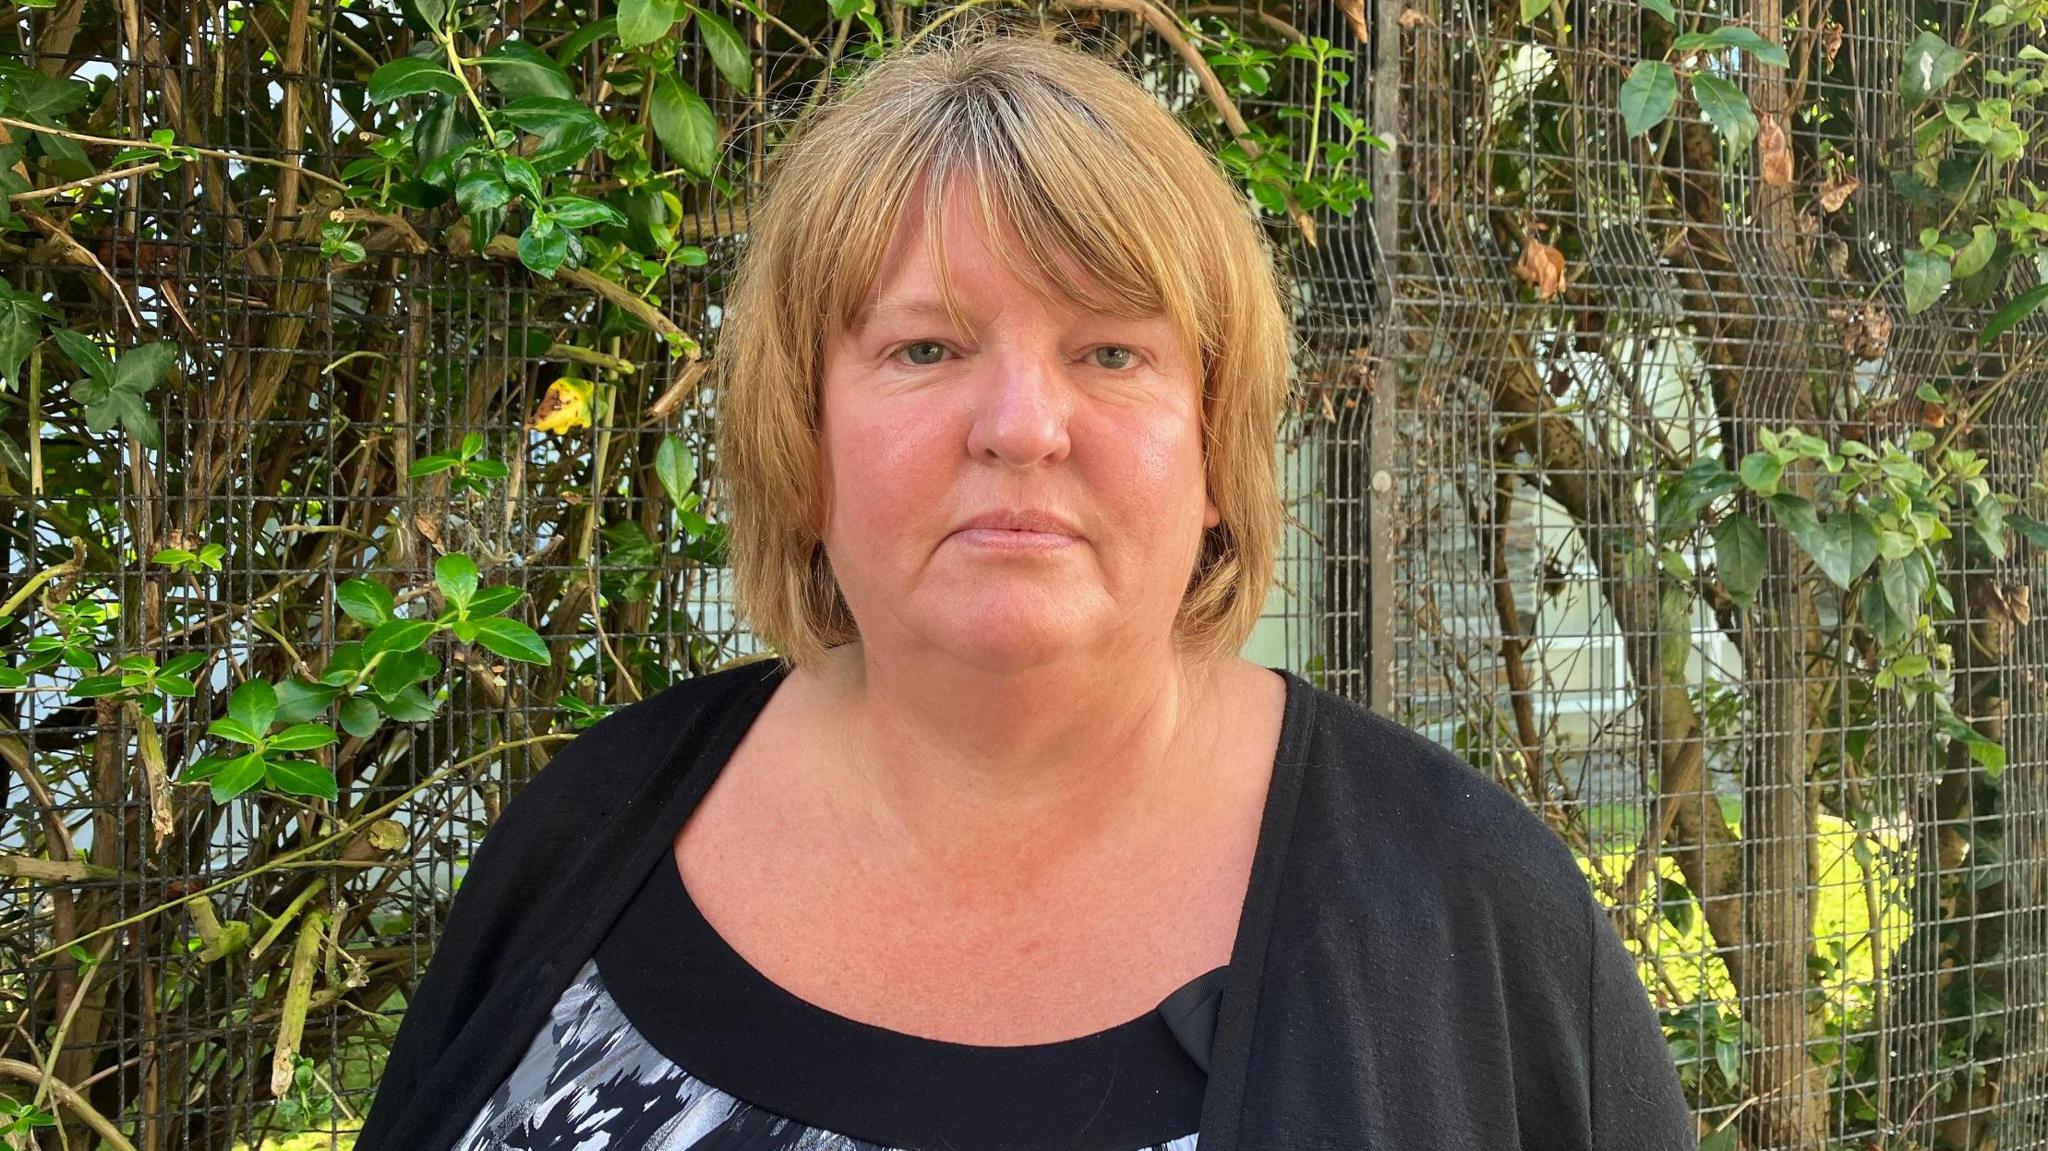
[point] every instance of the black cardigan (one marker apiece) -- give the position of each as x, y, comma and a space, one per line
1420, 966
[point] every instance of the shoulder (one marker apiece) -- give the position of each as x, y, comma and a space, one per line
1385, 803
613, 762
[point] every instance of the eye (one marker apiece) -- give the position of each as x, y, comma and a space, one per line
1119, 357
932, 348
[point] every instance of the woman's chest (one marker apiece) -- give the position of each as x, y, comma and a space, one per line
1073, 949
1069, 959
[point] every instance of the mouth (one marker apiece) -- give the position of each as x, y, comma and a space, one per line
1020, 540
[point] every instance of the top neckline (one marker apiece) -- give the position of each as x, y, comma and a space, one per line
1223, 1027
704, 1007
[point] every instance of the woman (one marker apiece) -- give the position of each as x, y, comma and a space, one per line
1009, 849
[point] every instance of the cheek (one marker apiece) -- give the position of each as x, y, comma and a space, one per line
890, 460
1162, 455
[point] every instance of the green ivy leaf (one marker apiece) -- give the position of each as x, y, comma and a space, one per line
142, 368
1930, 63
675, 465
1683, 499
402, 669
481, 189
581, 212
1663, 8
1761, 472
543, 247
409, 706
398, 635
727, 47
457, 577
254, 705
518, 70
360, 717
1676, 904
411, 76
237, 776
1740, 554
568, 130
1905, 587
298, 702
87, 354
1648, 95
684, 124
1726, 108
1531, 9
513, 640
21, 324
204, 768
2023, 305
2033, 530
1972, 256
1733, 36
585, 36
442, 136
95, 686
425, 16
1927, 276
645, 21
301, 737
233, 730
300, 777
1856, 533
493, 601
366, 601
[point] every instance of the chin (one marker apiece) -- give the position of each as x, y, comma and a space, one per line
1011, 637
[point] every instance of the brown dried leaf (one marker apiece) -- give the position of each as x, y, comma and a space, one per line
1354, 11
1831, 41
1413, 18
1776, 154
1868, 334
1542, 267
1837, 193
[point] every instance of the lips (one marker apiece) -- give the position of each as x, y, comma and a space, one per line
1021, 520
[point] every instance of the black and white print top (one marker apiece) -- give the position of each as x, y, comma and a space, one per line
669, 1040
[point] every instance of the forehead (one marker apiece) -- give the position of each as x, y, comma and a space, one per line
960, 253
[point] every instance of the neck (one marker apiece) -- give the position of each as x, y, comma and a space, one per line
970, 772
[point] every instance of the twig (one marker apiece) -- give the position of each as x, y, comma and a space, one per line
63, 1093
37, 580
64, 1024
65, 871
291, 912
84, 182
297, 996
590, 358
326, 841
83, 256
214, 152
506, 248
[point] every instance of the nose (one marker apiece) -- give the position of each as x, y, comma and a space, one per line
1021, 413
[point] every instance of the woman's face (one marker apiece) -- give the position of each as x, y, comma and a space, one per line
1089, 418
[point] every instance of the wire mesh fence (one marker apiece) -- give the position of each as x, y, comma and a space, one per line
1636, 454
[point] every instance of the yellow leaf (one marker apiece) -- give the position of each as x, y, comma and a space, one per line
565, 408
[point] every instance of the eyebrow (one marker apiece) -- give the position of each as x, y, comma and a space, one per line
898, 310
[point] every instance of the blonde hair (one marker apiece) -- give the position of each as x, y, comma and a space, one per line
1083, 163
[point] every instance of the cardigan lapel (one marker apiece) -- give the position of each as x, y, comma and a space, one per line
584, 905
1244, 986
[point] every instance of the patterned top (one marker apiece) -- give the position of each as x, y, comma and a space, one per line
670, 1041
